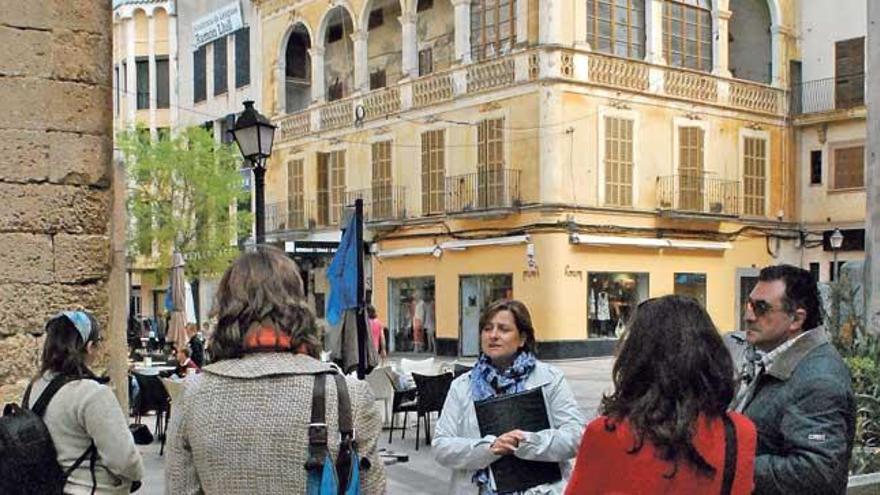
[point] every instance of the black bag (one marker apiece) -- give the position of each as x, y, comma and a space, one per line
141, 434
28, 460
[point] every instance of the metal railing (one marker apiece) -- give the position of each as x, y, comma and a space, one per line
698, 194
483, 190
289, 215
381, 203
825, 95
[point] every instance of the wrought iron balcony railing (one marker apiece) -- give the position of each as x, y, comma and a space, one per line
293, 214
381, 202
825, 95
483, 190
697, 193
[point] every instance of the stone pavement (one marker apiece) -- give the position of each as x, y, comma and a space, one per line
588, 379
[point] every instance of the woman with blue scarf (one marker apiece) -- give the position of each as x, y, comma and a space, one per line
506, 365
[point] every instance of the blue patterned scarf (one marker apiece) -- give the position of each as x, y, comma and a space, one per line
488, 381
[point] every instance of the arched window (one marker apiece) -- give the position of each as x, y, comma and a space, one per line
687, 34
617, 27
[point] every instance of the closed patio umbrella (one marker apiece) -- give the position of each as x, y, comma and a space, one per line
177, 323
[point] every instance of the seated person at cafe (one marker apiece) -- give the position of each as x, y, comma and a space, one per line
185, 362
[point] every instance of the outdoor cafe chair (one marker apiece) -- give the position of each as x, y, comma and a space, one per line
152, 396
404, 401
431, 394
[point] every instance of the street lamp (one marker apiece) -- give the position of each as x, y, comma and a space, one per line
254, 135
836, 242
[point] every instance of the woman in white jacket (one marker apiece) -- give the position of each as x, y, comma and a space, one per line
506, 365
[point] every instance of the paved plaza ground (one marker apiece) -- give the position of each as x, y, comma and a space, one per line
588, 379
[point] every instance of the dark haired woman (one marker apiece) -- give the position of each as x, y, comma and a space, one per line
506, 365
84, 412
242, 425
663, 428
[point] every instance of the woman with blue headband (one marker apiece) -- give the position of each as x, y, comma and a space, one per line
84, 418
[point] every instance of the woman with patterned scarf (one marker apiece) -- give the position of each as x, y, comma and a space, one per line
507, 364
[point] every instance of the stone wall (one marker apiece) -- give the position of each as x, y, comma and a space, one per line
56, 175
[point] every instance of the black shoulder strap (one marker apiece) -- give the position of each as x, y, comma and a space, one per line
43, 401
92, 454
318, 425
729, 454
347, 447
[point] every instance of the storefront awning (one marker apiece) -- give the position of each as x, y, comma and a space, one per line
644, 242
456, 245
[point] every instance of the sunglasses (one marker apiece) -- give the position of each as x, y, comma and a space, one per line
761, 307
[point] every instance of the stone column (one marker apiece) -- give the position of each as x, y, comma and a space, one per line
173, 60
720, 41
130, 72
550, 159
462, 30
410, 50
654, 31
151, 71
872, 156
522, 22
361, 61
316, 53
550, 22
778, 55
280, 87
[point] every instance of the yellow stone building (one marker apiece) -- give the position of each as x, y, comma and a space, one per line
578, 155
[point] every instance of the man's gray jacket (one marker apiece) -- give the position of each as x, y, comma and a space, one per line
804, 411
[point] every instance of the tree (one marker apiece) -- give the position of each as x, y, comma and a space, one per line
182, 193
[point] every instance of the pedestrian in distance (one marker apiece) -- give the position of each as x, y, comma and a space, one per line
83, 417
377, 332
796, 388
244, 423
507, 365
664, 428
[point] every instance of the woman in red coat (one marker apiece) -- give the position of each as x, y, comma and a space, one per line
662, 431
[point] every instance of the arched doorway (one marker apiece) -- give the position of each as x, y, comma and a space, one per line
750, 41
297, 70
384, 42
338, 53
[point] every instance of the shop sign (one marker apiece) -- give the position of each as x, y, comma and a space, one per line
217, 24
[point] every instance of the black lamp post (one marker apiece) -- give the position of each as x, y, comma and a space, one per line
254, 135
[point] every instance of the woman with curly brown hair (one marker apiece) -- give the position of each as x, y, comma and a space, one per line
664, 428
242, 426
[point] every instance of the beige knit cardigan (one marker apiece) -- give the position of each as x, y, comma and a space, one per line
242, 428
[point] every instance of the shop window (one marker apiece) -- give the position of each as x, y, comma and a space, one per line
617, 27
754, 176
611, 299
493, 27
618, 161
848, 167
691, 285
687, 34
409, 298
220, 75
815, 167
433, 172
477, 292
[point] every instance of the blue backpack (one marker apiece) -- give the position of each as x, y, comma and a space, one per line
326, 477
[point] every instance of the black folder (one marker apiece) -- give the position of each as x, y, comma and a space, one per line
524, 411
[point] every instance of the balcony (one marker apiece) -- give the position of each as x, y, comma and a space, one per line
698, 194
828, 95
529, 66
381, 203
289, 216
484, 190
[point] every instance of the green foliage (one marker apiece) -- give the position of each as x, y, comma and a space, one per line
181, 196
861, 351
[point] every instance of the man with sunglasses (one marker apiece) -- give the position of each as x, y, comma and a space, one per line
795, 388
